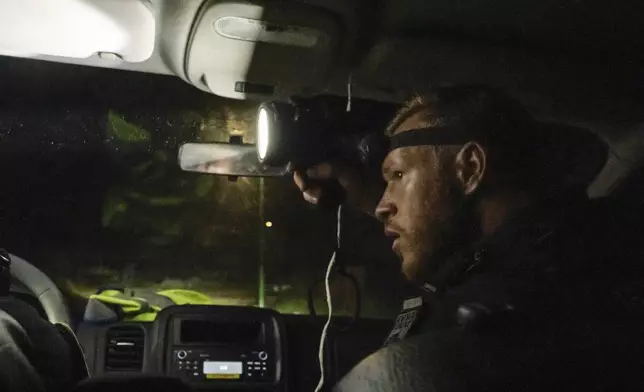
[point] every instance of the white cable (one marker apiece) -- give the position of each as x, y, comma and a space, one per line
349, 92
327, 285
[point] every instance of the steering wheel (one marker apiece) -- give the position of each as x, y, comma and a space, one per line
42, 288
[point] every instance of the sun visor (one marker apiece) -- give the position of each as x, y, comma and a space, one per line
77, 28
263, 50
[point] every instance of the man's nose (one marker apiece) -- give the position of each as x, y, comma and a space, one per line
385, 209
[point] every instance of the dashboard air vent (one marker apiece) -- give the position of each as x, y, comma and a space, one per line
124, 349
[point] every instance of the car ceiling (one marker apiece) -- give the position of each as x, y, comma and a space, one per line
578, 61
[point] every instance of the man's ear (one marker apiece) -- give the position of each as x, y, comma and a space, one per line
471, 166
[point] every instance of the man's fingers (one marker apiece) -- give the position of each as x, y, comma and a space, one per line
310, 193
299, 180
360, 190
311, 197
307, 182
323, 171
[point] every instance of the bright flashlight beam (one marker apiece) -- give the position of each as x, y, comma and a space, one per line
262, 134
269, 224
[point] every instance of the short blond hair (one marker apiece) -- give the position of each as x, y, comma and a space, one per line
463, 105
488, 116
413, 105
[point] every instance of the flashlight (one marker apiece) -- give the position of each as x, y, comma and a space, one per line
314, 131
274, 137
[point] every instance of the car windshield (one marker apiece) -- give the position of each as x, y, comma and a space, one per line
93, 196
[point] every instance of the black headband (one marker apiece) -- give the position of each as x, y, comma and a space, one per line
433, 136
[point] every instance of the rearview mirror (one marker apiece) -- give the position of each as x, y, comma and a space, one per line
236, 160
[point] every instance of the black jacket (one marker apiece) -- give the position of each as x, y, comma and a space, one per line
552, 302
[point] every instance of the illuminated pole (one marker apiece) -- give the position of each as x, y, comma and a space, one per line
262, 247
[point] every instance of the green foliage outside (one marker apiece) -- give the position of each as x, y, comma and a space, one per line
166, 217
171, 229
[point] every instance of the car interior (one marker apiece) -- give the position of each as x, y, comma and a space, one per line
74, 72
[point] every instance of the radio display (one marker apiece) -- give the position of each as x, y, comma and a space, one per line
210, 331
222, 370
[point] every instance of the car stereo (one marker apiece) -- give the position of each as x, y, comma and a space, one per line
221, 346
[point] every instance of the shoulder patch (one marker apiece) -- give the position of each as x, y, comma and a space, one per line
406, 319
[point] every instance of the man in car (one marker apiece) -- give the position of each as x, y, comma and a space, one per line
516, 289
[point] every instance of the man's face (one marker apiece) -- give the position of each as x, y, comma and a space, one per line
422, 206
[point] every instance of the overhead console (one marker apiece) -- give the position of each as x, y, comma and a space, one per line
220, 347
261, 49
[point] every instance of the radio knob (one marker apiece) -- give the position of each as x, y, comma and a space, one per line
181, 354
262, 355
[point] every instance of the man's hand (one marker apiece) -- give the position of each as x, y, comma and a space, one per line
363, 191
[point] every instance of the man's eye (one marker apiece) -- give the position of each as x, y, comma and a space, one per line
397, 174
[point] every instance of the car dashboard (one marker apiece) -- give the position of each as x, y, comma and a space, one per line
212, 347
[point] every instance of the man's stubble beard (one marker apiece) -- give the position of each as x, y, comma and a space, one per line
453, 228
